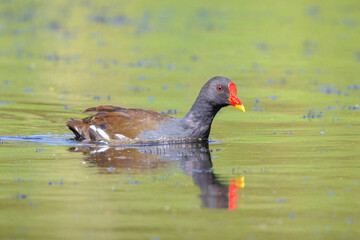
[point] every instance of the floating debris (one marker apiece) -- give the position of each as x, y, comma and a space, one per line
257, 106
169, 111
98, 97
313, 11
21, 196
194, 58
353, 86
332, 90
170, 67
312, 114
356, 107
262, 46
41, 149
358, 56
18, 179
53, 58
133, 182
5, 103
118, 20
329, 108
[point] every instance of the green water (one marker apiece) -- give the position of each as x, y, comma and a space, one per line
296, 65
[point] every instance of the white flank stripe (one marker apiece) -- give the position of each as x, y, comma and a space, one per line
101, 132
121, 137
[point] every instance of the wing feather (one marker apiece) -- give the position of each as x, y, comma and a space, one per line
116, 120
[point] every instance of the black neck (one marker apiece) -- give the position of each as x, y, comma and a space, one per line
197, 121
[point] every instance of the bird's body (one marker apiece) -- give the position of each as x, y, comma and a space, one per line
116, 124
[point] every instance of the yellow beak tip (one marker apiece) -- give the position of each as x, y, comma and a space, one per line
240, 107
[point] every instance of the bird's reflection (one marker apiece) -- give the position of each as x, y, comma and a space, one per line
193, 158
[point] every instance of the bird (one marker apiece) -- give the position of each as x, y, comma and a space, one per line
117, 124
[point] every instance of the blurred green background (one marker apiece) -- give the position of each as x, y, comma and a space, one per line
296, 65
157, 56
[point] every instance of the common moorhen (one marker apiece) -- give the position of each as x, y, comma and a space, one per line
117, 124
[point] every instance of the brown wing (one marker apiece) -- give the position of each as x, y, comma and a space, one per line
103, 108
111, 120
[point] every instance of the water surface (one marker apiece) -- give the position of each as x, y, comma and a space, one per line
288, 168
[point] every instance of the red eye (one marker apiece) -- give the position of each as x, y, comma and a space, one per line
219, 88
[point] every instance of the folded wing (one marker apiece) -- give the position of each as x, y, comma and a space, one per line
115, 123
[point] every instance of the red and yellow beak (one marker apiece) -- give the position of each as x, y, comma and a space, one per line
233, 99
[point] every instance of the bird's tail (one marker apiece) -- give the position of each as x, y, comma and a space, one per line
80, 129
